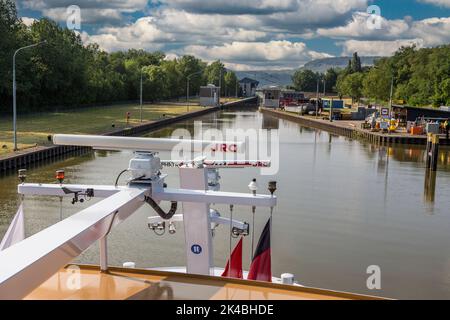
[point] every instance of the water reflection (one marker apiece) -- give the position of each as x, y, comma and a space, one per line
430, 186
343, 205
270, 122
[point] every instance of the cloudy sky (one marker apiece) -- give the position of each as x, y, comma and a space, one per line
254, 34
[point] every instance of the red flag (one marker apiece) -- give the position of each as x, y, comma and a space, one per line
236, 263
261, 267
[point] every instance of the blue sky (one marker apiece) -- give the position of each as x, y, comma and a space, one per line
253, 34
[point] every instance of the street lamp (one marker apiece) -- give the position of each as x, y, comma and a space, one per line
390, 99
187, 89
392, 89
15, 88
141, 95
317, 98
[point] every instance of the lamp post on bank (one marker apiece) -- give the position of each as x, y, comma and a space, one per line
187, 88
15, 89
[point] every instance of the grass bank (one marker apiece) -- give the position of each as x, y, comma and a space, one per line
33, 129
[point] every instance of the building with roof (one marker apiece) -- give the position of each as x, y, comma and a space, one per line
408, 113
248, 87
270, 97
209, 96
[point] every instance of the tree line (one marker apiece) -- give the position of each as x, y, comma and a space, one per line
65, 73
418, 77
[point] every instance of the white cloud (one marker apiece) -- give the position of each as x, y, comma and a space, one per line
92, 11
258, 55
88, 16
171, 56
143, 34
164, 28
358, 28
433, 31
377, 48
442, 3
28, 21
246, 33
233, 6
393, 33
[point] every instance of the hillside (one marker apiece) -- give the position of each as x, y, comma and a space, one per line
265, 78
322, 65
283, 77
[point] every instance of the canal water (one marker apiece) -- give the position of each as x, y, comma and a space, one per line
343, 206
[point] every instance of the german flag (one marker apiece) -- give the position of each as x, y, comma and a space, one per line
261, 267
236, 263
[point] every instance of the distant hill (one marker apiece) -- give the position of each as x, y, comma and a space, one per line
322, 65
265, 78
284, 77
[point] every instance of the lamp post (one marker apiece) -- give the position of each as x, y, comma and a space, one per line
220, 84
390, 99
317, 98
187, 88
331, 110
141, 96
392, 89
15, 89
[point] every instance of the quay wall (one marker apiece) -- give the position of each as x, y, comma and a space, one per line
39, 154
350, 132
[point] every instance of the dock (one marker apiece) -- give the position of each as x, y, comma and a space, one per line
351, 129
22, 159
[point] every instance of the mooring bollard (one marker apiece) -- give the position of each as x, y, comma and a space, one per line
428, 151
432, 151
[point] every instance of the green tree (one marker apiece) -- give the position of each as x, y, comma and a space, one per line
355, 64
231, 83
352, 86
174, 84
215, 74
154, 83
331, 77
377, 82
12, 33
54, 74
305, 80
193, 67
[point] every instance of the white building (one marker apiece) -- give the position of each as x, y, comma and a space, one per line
209, 96
248, 87
271, 97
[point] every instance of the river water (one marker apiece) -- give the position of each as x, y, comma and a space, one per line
343, 206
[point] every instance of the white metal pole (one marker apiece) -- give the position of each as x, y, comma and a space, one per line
14, 92
187, 95
231, 240
103, 254
187, 89
390, 99
331, 111
141, 98
220, 84
14, 103
317, 98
